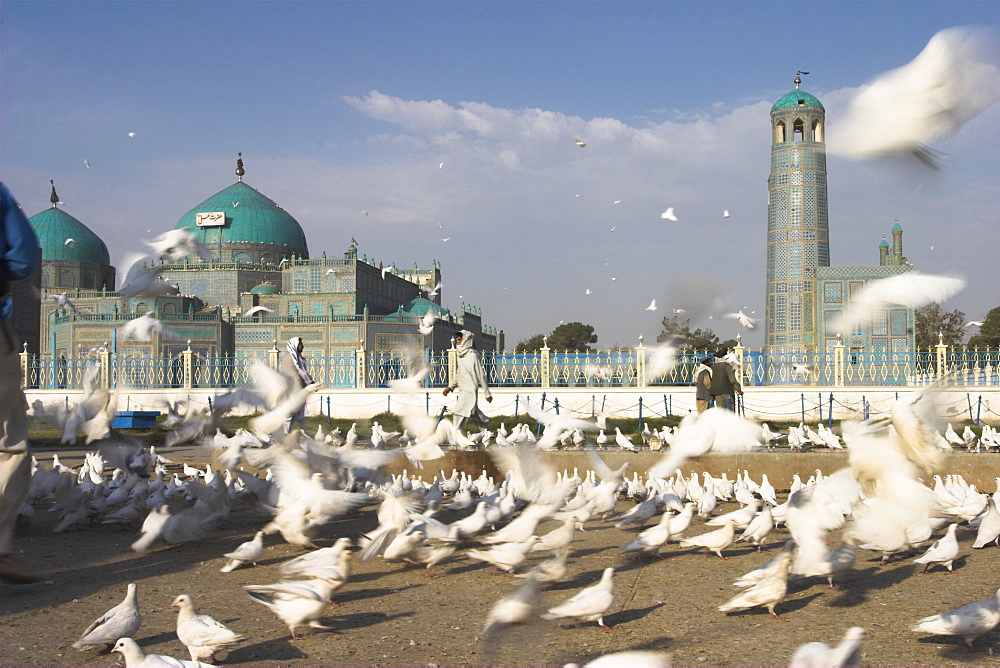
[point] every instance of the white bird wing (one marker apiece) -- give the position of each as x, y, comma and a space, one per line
953, 79
912, 289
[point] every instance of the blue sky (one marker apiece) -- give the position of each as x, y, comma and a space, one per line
346, 107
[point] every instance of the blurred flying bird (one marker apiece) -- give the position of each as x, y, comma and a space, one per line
257, 309
744, 319
910, 289
669, 214
70, 241
974, 323
652, 306
725, 213
951, 81
86, 163
580, 143
176, 244
142, 328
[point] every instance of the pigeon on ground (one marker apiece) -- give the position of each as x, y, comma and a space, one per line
295, 603
970, 621
247, 553
819, 655
121, 621
203, 636
589, 604
769, 592
714, 541
517, 607
944, 550
136, 658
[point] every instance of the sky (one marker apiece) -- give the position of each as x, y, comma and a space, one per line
458, 121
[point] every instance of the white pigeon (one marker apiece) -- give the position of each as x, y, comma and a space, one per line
178, 243
517, 607
669, 214
63, 302
944, 550
631, 658
295, 603
142, 328
652, 539
652, 306
136, 658
201, 634
952, 80
819, 655
715, 541
989, 527
426, 325
623, 441
744, 319
505, 556
912, 289
142, 277
247, 553
121, 621
970, 621
589, 604
767, 593
257, 309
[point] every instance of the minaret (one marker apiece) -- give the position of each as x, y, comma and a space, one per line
798, 238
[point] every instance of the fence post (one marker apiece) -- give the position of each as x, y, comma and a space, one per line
838, 362
979, 409
640, 364
272, 355
452, 361
593, 402
968, 398
666, 406
517, 404
640, 413
329, 413
544, 358
360, 378
555, 405
738, 353
25, 356
802, 402
187, 367
105, 361
829, 416
819, 404
942, 356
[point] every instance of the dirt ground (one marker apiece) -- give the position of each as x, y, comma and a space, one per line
393, 614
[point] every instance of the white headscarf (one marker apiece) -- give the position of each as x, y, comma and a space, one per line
465, 345
293, 350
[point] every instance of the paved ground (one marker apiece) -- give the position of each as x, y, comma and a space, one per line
395, 614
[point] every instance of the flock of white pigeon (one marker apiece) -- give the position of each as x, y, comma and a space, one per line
883, 502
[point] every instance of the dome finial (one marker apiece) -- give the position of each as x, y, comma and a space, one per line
239, 166
798, 79
54, 198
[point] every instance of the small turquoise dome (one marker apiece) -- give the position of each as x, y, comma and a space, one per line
250, 218
54, 227
897, 228
796, 98
884, 243
264, 288
420, 306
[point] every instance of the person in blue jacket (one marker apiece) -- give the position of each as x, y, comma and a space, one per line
18, 259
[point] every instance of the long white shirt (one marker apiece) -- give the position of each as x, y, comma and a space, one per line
469, 378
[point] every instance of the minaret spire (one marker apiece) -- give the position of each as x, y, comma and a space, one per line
798, 79
54, 198
239, 166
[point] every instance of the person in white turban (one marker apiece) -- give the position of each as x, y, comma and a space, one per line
469, 378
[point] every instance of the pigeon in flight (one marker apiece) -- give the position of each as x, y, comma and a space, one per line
669, 214
652, 306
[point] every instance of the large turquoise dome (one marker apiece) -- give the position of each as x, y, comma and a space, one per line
249, 218
54, 228
797, 98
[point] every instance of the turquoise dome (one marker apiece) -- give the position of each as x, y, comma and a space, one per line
250, 218
420, 306
54, 226
884, 243
897, 228
796, 98
264, 288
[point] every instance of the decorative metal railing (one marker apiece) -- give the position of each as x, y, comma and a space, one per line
636, 368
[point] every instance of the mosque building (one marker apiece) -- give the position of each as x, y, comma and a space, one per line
259, 261
805, 295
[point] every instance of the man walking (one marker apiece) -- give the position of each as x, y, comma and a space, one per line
725, 384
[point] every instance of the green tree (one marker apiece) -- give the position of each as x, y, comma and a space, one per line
574, 336
988, 337
932, 319
699, 339
530, 344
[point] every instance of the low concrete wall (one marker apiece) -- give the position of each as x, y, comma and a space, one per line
761, 403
